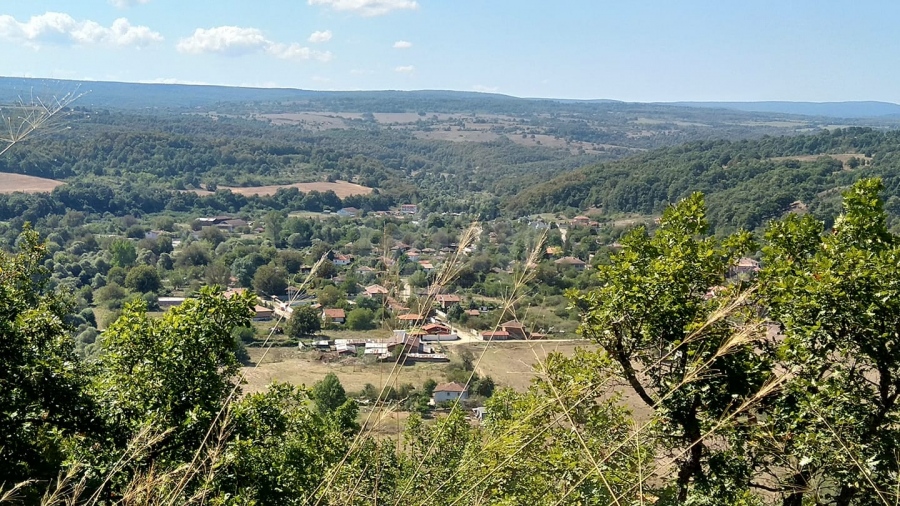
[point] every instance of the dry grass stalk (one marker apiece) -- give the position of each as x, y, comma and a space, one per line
26, 118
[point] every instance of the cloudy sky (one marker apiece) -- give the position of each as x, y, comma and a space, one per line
639, 50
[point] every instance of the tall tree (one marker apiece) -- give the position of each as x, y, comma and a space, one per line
837, 298
305, 321
171, 375
42, 383
657, 315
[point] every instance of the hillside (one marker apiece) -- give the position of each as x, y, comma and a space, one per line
746, 182
857, 109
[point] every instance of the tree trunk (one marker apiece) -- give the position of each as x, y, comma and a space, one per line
799, 484
846, 495
690, 468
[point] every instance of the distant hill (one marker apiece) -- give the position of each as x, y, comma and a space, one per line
828, 109
746, 182
119, 95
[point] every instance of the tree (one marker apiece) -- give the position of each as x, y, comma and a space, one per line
42, 399
360, 319
656, 315
305, 321
330, 295
194, 254
837, 298
244, 268
142, 279
270, 280
123, 253
328, 394
171, 374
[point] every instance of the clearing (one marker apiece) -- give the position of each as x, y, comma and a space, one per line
11, 183
509, 363
340, 188
841, 157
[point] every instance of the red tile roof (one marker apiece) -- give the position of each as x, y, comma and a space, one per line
450, 387
334, 313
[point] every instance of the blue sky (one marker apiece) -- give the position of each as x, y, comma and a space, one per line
636, 50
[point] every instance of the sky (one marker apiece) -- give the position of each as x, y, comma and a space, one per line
636, 50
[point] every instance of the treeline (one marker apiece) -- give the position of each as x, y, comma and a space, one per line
746, 182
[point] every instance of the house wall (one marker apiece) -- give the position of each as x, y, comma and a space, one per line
449, 396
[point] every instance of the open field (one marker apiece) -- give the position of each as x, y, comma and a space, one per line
509, 363
289, 365
10, 183
842, 157
340, 188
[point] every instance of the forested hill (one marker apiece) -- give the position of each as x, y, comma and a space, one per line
746, 182
859, 109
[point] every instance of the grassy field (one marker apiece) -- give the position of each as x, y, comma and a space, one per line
510, 364
10, 183
340, 188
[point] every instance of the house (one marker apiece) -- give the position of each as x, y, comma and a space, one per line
341, 260
436, 329
154, 234
231, 292
413, 254
336, 315
376, 292
745, 265
167, 302
262, 313
496, 335
409, 342
577, 263
231, 225
410, 319
348, 212
554, 251
215, 220
515, 329
365, 270
449, 392
409, 209
426, 265
396, 306
445, 300
581, 221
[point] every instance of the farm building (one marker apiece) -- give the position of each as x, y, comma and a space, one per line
449, 392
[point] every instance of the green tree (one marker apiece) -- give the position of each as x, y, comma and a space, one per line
360, 319
171, 375
270, 280
142, 279
330, 295
653, 316
305, 321
328, 394
837, 298
42, 383
123, 253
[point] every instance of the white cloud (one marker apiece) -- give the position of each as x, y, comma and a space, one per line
61, 28
485, 89
402, 44
319, 37
122, 4
405, 69
368, 7
237, 41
